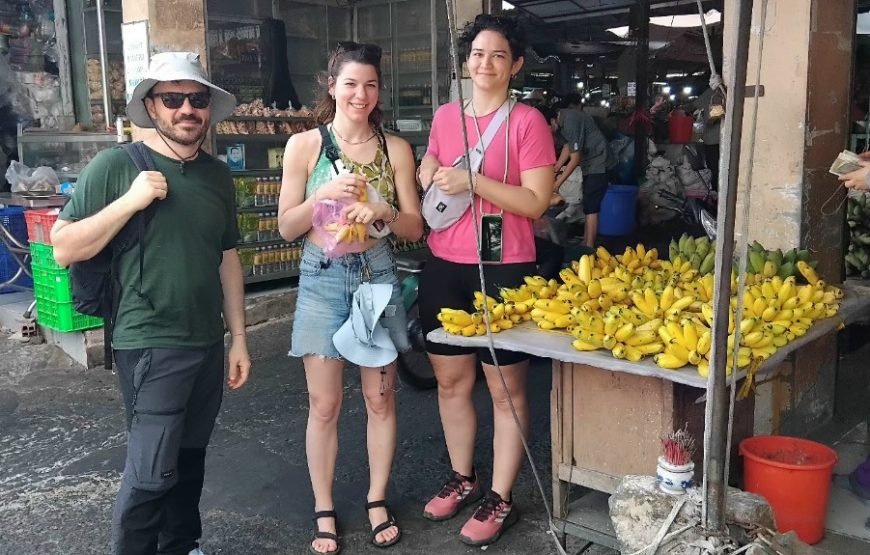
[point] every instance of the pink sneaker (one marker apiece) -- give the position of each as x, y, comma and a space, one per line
455, 494
489, 521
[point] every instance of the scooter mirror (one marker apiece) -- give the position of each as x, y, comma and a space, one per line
708, 222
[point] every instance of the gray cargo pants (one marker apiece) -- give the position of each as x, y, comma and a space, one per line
172, 397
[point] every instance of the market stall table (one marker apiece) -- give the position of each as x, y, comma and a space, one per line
608, 415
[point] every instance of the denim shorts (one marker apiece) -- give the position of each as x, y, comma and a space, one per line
326, 288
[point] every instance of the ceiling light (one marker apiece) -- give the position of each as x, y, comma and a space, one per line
687, 91
666, 89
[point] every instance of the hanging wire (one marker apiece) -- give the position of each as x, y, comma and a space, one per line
715, 78
451, 24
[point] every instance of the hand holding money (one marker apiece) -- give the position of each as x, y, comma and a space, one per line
846, 163
858, 179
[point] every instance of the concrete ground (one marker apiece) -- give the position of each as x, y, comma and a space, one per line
62, 448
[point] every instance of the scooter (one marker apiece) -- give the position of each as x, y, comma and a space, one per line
413, 366
692, 212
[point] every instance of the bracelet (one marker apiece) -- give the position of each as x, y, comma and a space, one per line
395, 215
474, 177
240, 334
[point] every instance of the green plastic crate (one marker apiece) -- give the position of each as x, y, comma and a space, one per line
50, 284
42, 255
63, 317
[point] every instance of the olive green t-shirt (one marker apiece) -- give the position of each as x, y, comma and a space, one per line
180, 305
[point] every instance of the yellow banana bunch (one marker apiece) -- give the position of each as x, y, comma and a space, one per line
808, 272
480, 298
635, 305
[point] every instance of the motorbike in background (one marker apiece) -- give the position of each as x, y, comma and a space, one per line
692, 211
413, 366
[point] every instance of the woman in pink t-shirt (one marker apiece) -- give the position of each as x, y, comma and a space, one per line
512, 188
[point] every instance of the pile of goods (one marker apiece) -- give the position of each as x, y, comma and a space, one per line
117, 85
858, 255
294, 121
637, 305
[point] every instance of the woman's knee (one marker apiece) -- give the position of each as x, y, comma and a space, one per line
380, 404
502, 403
324, 408
455, 386
515, 393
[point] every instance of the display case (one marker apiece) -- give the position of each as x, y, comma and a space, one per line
114, 56
66, 153
254, 148
312, 32
416, 76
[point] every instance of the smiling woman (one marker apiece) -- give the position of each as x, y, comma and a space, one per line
512, 184
349, 165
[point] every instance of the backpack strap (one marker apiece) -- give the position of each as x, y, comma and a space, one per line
143, 161
141, 157
138, 152
382, 139
327, 147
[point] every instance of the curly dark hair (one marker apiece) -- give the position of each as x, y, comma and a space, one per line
367, 54
507, 26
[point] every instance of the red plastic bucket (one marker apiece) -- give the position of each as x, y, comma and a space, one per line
794, 475
680, 127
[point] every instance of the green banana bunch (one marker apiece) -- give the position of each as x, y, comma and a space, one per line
857, 258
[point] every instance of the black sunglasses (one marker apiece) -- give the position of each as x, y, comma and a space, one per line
175, 100
366, 49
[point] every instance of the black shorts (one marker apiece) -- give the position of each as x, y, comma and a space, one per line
594, 187
452, 285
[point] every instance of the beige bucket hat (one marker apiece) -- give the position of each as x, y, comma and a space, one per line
177, 66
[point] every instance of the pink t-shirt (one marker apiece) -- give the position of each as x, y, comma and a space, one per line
531, 146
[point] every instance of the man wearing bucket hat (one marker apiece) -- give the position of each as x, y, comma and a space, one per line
168, 337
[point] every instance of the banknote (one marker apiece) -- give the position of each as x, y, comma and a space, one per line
846, 162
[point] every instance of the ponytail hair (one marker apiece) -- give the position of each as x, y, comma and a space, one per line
366, 54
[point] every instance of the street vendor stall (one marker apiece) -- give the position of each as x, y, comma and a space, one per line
608, 415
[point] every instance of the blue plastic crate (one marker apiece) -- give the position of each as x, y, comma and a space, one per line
12, 218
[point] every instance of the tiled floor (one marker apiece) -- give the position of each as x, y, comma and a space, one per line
848, 514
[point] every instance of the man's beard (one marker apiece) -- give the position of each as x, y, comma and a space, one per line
185, 138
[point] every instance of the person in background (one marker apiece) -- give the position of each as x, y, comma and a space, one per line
586, 147
349, 105
168, 337
659, 113
712, 132
513, 188
859, 180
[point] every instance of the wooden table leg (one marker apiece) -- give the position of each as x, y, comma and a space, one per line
560, 488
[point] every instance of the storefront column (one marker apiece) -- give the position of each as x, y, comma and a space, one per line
173, 26
803, 123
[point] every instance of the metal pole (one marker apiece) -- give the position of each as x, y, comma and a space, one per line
716, 428
104, 64
641, 22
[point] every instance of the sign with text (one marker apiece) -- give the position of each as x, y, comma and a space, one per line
136, 54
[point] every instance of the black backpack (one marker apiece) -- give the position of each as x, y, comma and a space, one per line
96, 287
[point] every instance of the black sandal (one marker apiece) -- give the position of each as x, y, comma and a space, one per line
390, 522
318, 535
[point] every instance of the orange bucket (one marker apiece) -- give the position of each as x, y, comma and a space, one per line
794, 475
